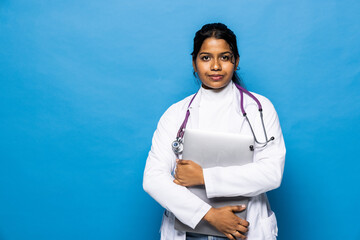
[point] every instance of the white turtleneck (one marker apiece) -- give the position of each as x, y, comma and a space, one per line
216, 108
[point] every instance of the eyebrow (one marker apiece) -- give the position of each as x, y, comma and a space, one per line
211, 53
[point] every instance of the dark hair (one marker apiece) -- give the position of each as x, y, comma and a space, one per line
218, 31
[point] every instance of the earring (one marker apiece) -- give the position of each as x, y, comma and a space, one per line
238, 68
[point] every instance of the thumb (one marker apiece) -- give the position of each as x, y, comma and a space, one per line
238, 208
183, 162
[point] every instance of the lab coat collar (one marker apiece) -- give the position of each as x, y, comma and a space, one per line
236, 99
194, 108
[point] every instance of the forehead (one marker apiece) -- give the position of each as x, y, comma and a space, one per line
213, 45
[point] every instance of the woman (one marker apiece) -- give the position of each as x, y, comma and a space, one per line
216, 107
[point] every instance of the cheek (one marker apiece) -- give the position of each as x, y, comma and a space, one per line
202, 66
201, 69
230, 69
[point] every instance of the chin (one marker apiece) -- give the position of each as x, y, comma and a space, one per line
215, 85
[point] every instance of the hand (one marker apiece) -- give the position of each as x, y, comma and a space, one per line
188, 173
224, 220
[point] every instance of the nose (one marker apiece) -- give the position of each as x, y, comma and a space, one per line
216, 65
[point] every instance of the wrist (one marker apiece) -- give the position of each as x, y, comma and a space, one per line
202, 177
209, 215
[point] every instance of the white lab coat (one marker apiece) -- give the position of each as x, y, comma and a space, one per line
251, 180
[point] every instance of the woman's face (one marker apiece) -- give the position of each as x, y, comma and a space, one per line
215, 64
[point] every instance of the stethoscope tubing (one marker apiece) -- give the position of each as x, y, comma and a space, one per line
177, 144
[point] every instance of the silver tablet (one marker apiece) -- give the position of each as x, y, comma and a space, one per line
215, 149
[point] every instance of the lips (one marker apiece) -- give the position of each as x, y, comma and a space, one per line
216, 77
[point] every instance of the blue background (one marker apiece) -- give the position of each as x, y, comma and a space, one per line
83, 84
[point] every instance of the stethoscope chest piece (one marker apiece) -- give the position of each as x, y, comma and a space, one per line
177, 146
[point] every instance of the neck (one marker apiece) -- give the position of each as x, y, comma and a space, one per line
219, 94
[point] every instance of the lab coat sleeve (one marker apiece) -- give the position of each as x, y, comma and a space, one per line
158, 179
266, 171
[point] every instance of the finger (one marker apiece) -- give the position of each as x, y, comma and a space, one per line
244, 223
229, 236
242, 229
238, 208
238, 235
176, 175
179, 167
183, 162
178, 182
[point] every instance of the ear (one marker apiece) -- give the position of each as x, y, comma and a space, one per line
237, 63
194, 66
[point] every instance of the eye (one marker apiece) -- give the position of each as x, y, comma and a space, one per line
225, 58
205, 58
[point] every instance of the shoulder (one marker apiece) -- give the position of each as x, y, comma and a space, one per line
269, 111
263, 100
176, 112
267, 106
178, 107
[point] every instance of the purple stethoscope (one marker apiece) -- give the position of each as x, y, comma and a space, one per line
177, 145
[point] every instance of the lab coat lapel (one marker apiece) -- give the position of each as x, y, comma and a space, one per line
237, 121
193, 122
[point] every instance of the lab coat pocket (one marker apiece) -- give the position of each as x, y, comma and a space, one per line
269, 227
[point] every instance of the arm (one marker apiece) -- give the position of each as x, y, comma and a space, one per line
263, 175
158, 180
186, 206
